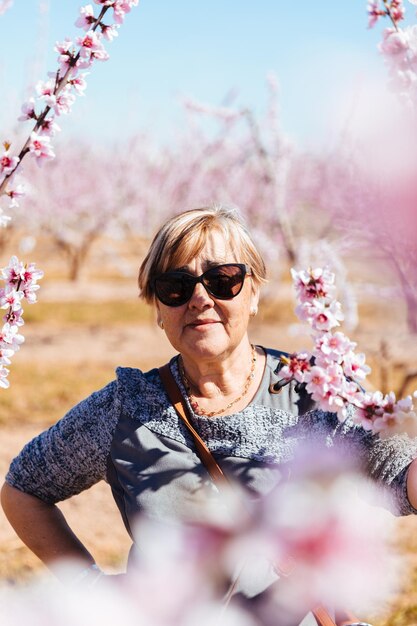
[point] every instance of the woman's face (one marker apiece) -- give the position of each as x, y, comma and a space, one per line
203, 327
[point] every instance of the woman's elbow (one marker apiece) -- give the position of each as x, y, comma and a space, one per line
412, 484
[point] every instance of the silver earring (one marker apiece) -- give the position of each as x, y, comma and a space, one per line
253, 311
161, 324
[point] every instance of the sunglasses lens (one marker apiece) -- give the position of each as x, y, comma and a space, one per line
174, 289
225, 281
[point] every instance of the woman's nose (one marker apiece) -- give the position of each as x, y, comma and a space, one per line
200, 297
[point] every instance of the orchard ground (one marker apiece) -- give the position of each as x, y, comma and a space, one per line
79, 332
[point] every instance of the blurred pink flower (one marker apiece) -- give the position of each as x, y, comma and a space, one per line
374, 12
109, 32
79, 83
49, 127
40, 147
8, 163
87, 17
5, 5
11, 299
14, 193
394, 43
63, 103
28, 111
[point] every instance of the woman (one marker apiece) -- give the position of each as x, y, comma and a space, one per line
203, 274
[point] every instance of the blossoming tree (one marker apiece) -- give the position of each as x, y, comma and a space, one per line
53, 98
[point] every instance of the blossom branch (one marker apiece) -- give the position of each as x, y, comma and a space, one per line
333, 373
57, 97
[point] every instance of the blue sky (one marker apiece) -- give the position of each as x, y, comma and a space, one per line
321, 52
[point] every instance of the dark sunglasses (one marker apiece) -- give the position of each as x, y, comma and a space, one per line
223, 282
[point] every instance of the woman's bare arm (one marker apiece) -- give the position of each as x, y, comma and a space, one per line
43, 528
412, 484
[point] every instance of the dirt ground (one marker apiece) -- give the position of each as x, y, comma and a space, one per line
92, 514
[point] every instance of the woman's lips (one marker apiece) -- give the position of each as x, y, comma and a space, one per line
202, 323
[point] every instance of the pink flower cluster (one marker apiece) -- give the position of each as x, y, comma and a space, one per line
333, 371
55, 96
399, 48
393, 9
5, 5
20, 283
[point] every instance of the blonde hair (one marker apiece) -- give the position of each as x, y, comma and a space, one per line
183, 237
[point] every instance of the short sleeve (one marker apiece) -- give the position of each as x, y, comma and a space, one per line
71, 456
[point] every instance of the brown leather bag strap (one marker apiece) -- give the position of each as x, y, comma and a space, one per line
344, 618
323, 618
177, 400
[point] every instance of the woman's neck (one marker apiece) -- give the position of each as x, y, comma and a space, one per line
218, 375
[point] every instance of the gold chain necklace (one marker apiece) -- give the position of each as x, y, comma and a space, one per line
193, 402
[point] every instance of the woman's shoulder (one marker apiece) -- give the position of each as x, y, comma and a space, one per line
137, 389
133, 379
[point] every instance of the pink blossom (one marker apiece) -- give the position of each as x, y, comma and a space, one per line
8, 163
397, 417
89, 43
29, 293
354, 365
334, 346
315, 284
397, 10
14, 194
9, 335
79, 83
14, 317
369, 410
49, 127
109, 32
11, 299
87, 17
63, 103
333, 403
374, 12
317, 381
31, 274
28, 111
327, 318
16, 273
5, 6
5, 355
295, 366
66, 53
394, 42
40, 147
120, 8
322, 317
46, 91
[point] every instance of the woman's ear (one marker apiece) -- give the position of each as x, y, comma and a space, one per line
158, 316
254, 301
